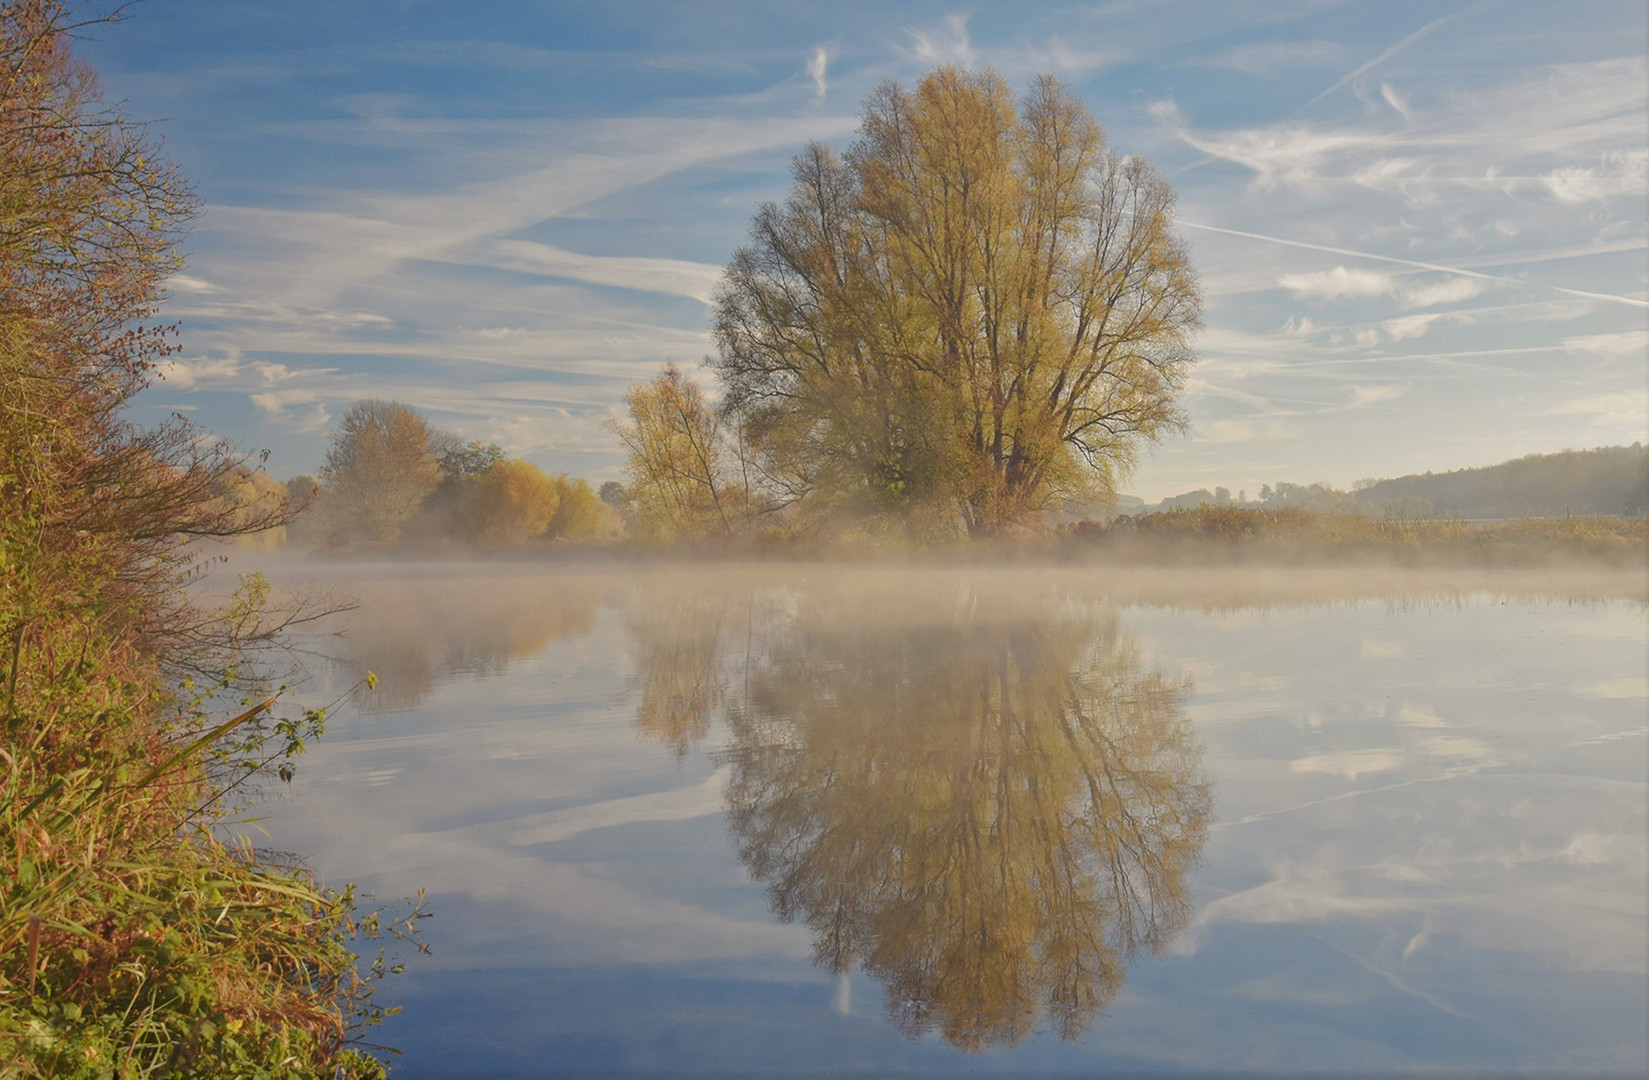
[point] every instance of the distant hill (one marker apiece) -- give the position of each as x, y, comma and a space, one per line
1611, 481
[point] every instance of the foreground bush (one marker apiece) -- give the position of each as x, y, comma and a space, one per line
136, 939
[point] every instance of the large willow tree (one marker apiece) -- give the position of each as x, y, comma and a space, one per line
979, 306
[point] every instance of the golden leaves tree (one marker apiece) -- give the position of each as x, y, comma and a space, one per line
678, 468
511, 502
978, 305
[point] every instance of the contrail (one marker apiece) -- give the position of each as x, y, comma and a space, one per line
1383, 57
1416, 264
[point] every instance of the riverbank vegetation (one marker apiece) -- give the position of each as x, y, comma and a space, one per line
1225, 534
138, 937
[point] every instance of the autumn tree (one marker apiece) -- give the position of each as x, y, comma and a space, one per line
977, 305
379, 469
509, 503
680, 481
579, 513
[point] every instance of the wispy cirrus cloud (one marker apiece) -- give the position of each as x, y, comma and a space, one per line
1374, 395
1340, 283
678, 277
1266, 57
945, 42
818, 68
1618, 173
1407, 327
1452, 290
1626, 343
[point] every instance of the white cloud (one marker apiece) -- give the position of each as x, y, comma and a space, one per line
1625, 689
1349, 763
1619, 173
674, 804
283, 407
1339, 283
1622, 415
1168, 112
1628, 343
1266, 57
1392, 174
946, 43
1396, 101
1408, 326
187, 284
1458, 748
1370, 395
675, 277
1420, 716
1448, 291
186, 374
818, 64
1291, 154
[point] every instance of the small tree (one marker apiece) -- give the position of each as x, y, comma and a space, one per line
579, 513
378, 472
679, 485
510, 503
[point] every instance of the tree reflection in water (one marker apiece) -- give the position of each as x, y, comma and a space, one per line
413, 634
987, 805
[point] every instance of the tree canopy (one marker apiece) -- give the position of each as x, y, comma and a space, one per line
977, 306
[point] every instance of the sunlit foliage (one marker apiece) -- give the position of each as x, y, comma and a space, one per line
978, 305
509, 503
134, 940
579, 513
681, 485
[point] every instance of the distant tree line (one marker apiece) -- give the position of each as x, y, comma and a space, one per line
1611, 481
391, 478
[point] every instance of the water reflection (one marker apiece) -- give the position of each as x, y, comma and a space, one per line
676, 642
413, 633
987, 805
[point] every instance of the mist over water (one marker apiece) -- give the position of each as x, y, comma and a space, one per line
798, 817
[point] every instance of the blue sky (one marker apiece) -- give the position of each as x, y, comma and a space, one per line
1420, 227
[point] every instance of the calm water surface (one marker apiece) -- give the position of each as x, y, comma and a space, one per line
813, 819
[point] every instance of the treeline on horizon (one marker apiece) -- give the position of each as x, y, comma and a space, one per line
1609, 481
392, 480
